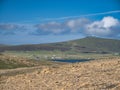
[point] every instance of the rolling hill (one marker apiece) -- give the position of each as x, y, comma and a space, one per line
84, 45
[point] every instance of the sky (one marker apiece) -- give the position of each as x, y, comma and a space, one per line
48, 21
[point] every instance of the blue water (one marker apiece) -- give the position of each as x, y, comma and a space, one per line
72, 60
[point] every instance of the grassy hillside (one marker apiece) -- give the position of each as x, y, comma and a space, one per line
11, 62
94, 44
85, 45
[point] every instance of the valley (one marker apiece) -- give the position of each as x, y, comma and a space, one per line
26, 67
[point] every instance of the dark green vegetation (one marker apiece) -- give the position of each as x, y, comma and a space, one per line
85, 45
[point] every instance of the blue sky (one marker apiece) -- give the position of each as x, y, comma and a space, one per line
46, 21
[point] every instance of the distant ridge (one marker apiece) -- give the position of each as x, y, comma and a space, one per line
86, 45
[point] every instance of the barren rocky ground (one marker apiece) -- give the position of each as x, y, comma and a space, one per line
93, 75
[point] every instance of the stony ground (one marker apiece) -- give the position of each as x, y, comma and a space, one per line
93, 75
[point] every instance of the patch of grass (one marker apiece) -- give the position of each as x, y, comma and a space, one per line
10, 65
8, 61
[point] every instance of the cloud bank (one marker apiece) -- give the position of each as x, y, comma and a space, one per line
106, 27
66, 27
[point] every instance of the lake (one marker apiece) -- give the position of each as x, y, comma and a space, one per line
72, 60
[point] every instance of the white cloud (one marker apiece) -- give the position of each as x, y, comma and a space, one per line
109, 22
68, 26
77, 25
50, 27
105, 27
71, 23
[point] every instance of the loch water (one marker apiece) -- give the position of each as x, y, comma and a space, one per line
72, 60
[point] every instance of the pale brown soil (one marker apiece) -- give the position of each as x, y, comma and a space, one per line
93, 75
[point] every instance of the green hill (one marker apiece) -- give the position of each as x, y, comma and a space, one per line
93, 44
84, 45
